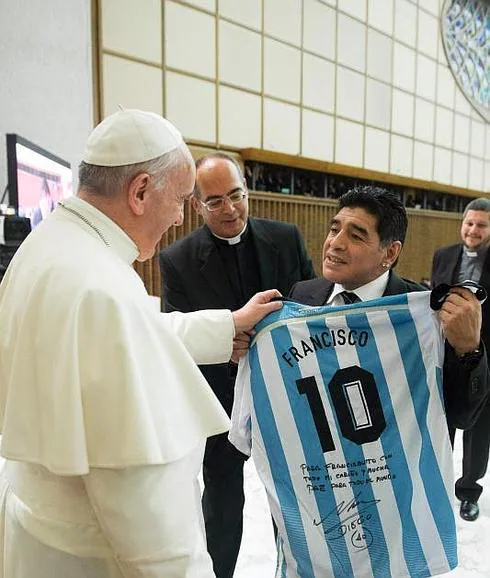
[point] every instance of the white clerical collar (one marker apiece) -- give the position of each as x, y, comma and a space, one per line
477, 252
232, 240
103, 227
372, 290
473, 252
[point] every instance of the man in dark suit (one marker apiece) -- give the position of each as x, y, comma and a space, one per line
470, 260
362, 246
221, 265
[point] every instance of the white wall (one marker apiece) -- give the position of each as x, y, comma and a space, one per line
45, 76
364, 83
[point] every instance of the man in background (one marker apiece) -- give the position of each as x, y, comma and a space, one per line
221, 264
470, 259
103, 411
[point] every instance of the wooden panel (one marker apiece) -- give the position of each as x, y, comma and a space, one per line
427, 230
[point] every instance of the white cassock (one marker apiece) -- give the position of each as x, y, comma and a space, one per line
103, 410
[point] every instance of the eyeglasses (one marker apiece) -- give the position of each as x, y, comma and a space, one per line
217, 203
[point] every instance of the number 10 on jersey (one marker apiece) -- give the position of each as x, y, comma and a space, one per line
356, 404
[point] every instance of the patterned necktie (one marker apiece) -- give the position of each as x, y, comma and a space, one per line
349, 297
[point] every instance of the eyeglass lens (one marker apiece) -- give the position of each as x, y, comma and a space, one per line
234, 198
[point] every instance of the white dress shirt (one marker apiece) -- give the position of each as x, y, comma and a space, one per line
372, 290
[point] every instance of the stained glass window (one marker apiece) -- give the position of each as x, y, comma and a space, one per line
466, 37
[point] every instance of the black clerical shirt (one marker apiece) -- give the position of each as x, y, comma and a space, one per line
241, 266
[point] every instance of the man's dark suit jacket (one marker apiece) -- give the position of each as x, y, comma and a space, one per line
445, 265
193, 278
463, 404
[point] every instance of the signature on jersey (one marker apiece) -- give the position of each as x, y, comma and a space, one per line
350, 519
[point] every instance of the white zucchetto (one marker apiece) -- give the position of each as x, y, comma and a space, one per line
131, 136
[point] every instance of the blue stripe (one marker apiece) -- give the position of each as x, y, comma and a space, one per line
437, 496
392, 445
440, 386
300, 410
279, 468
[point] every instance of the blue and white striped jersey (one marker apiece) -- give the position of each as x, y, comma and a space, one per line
342, 409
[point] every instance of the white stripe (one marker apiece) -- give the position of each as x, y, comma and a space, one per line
2, 230
240, 435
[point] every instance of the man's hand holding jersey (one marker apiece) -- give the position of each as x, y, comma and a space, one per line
248, 316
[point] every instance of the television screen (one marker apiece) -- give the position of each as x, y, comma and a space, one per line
37, 179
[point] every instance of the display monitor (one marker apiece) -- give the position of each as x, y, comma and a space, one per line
37, 179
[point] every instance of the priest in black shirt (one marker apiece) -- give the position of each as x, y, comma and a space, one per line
221, 265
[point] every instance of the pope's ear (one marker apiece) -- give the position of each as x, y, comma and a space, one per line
138, 193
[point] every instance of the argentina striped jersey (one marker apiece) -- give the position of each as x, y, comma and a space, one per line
342, 410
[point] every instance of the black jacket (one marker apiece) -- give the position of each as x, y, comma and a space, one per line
445, 266
193, 278
465, 392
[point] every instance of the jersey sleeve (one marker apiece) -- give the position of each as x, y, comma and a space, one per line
241, 428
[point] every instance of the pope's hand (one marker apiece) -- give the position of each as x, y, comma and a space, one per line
254, 310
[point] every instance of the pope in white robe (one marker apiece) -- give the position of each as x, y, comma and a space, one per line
103, 410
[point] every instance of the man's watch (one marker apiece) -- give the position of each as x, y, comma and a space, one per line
471, 359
